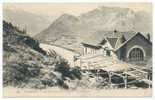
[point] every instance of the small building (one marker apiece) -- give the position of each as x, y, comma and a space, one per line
125, 46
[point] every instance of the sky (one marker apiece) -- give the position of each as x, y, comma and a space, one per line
57, 9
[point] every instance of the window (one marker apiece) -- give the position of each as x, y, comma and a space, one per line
136, 55
108, 53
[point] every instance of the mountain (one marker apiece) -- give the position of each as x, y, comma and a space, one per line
63, 24
23, 19
103, 18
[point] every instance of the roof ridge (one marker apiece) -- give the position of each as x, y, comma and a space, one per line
130, 39
126, 41
117, 41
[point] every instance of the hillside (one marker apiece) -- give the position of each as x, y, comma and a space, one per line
69, 30
25, 64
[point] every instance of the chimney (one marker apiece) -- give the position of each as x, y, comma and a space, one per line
115, 31
148, 36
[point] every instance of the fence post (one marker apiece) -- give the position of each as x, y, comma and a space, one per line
97, 75
125, 80
109, 74
149, 80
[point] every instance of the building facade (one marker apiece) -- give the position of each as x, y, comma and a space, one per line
126, 46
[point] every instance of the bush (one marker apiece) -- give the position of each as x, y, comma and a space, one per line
14, 74
35, 83
64, 68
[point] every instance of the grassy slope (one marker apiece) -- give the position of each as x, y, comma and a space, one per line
26, 65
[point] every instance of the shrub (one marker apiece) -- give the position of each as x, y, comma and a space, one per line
14, 74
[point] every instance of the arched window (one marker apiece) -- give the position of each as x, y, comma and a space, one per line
136, 54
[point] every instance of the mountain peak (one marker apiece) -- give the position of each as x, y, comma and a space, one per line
66, 16
103, 18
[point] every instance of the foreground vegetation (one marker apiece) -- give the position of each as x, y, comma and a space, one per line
27, 65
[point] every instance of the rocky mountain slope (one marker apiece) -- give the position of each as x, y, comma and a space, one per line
23, 19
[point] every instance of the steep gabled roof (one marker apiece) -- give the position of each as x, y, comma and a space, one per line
114, 38
131, 39
112, 41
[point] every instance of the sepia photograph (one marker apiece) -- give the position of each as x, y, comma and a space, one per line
77, 49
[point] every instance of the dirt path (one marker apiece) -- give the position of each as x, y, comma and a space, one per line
67, 54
